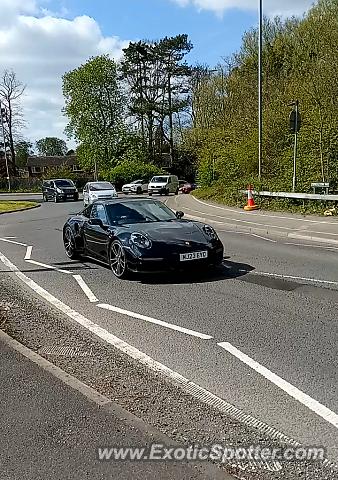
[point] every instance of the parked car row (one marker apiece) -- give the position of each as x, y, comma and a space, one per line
57, 190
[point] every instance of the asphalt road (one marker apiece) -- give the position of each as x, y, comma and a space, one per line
274, 302
49, 430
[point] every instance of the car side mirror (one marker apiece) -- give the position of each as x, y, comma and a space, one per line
97, 222
179, 214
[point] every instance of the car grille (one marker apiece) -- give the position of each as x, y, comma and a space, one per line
106, 197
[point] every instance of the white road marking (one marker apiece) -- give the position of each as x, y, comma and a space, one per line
87, 291
12, 241
263, 238
312, 246
155, 321
177, 379
28, 252
49, 267
262, 214
294, 277
291, 390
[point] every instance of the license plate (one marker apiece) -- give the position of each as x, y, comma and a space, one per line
70, 195
185, 257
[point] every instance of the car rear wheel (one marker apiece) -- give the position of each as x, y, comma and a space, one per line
117, 260
69, 243
139, 191
56, 200
176, 193
45, 197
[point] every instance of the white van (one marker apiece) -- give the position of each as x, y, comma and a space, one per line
163, 184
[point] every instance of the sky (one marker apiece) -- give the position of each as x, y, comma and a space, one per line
42, 39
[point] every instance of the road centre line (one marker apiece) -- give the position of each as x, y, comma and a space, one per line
294, 277
87, 291
261, 214
259, 224
12, 241
312, 246
155, 321
49, 267
177, 379
292, 391
28, 253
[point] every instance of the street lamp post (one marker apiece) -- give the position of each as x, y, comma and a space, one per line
260, 88
5, 151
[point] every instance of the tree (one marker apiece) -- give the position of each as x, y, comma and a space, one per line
51, 146
11, 90
23, 149
155, 77
95, 107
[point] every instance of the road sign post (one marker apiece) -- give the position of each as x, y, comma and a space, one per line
4, 143
295, 124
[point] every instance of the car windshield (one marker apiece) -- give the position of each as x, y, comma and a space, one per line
159, 180
64, 183
122, 213
101, 186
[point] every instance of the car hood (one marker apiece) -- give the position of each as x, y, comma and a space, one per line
170, 232
67, 189
128, 185
102, 192
163, 184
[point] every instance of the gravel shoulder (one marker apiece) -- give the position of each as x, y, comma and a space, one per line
143, 393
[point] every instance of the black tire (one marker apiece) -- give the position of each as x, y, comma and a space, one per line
150, 194
176, 193
56, 200
117, 260
166, 193
139, 191
45, 197
70, 244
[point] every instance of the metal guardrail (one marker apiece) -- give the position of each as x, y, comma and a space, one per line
301, 196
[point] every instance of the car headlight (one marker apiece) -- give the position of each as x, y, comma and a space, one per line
140, 240
93, 195
59, 190
210, 232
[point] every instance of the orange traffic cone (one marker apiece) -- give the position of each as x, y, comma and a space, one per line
251, 202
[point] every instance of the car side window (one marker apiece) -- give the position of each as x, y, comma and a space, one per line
99, 212
86, 212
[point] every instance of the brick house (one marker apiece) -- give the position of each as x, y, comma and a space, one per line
37, 166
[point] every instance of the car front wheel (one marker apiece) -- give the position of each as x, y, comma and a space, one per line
117, 260
69, 243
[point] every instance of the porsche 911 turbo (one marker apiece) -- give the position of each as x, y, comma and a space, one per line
140, 235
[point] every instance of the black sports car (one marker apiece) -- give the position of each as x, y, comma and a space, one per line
140, 235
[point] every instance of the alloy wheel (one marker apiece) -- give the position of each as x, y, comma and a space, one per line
118, 262
69, 243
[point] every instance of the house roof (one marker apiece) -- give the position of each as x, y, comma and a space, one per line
55, 161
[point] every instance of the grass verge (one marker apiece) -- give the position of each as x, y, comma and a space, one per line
11, 206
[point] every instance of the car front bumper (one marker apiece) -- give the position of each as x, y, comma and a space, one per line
67, 196
171, 262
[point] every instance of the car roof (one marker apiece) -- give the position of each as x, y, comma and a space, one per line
56, 179
99, 181
126, 200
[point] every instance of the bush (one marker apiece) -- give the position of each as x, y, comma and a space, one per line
127, 171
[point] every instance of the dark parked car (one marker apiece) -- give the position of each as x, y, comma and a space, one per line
140, 235
59, 190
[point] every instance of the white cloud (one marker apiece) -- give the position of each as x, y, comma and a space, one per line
271, 7
40, 47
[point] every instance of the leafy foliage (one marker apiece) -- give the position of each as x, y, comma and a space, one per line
51, 146
299, 62
130, 170
95, 107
